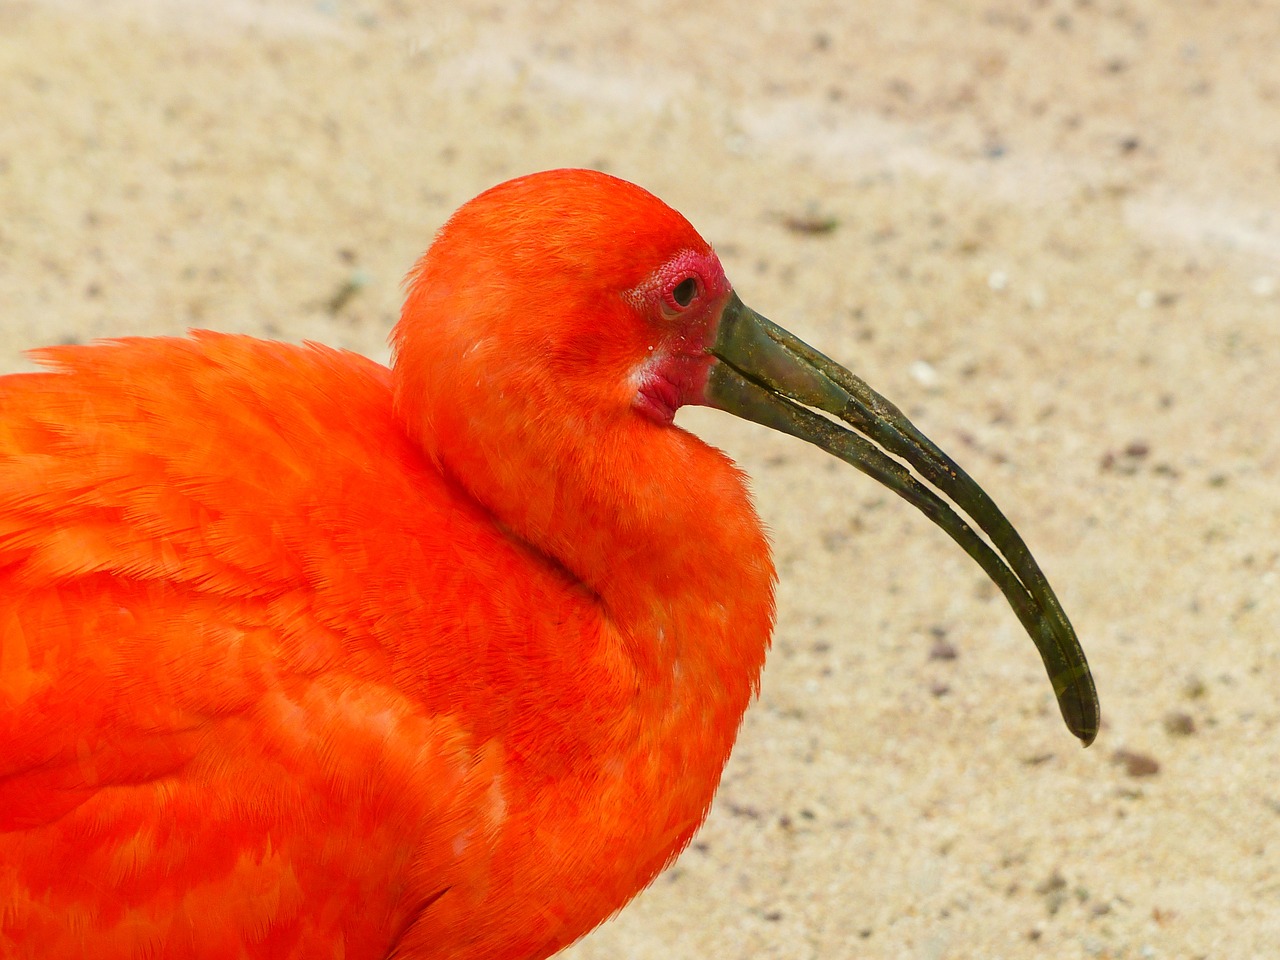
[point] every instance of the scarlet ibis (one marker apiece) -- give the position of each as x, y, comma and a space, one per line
306, 657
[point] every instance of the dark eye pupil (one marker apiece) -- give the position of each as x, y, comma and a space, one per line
684, 291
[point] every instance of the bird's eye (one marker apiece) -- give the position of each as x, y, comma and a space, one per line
684, 291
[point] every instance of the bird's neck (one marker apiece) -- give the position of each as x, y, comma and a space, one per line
659, 526
676, 553
673, 550
657, 529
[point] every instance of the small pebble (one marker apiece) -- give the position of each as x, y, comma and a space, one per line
942, 648
1136, 764
924, 373
810, 224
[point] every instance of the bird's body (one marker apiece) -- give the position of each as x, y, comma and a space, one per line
272, 677
267, 672
301, 656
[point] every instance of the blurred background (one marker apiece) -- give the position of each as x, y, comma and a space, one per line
1049, 230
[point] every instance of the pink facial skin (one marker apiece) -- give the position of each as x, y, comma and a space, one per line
682, 299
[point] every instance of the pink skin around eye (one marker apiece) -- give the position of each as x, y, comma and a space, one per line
675, 372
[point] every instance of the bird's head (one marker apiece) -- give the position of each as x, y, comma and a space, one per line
570, 297
578, 309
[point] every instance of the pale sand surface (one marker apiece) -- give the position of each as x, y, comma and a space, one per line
1056, 245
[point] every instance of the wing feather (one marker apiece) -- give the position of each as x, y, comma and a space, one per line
237, 638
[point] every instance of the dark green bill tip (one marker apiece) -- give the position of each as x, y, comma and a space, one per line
767, 375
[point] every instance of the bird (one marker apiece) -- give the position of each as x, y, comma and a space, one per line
306, 656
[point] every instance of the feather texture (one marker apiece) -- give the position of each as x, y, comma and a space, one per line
305, 657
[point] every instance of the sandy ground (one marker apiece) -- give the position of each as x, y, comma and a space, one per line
1050, 230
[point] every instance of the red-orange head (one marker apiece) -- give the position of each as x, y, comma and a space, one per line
562, 297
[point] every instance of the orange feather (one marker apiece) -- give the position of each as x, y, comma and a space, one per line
305, 657
302, 657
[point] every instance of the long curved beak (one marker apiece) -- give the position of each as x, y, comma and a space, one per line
767, 375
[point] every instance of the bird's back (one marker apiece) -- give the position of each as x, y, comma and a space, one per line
250, 641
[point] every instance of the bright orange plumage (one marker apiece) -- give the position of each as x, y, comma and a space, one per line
303, 657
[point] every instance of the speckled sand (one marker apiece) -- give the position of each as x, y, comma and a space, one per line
1056, 244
